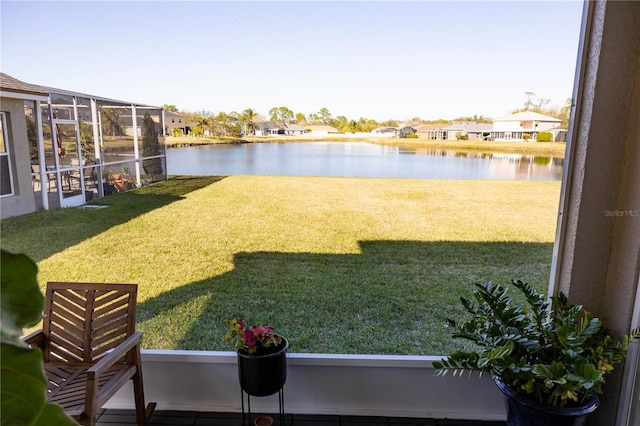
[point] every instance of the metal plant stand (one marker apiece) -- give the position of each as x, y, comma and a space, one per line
248, 413
263, 374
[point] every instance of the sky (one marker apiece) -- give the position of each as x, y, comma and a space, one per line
379, 60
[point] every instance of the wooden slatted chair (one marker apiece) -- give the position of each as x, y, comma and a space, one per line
90, 347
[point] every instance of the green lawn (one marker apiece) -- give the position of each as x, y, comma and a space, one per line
337, 265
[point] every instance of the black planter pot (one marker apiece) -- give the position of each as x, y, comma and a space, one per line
109, 189
522, 411
263, 372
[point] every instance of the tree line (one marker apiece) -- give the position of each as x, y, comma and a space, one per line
238, 124
246, 122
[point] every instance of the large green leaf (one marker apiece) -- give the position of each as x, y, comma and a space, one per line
21, 301
22, 379
24, 388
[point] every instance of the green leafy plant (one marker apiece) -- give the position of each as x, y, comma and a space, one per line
24, 385
544, 137
251, 338
556, 353
461, 136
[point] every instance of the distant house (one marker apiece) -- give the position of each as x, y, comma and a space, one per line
432, 131
404, 131
391, 131
513, 127
294, 129
401, 131
127, 120
261, 129
320, 130
172, 121
276, 130
269, 129
472, 130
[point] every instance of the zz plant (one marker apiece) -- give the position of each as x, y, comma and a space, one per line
556, 353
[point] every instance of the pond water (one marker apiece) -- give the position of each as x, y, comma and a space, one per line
357, 159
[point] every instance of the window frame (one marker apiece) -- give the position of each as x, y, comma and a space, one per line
6, 153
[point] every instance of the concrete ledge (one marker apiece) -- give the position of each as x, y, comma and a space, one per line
374, 385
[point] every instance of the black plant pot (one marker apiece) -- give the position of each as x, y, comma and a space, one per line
109, 189
523, 411
263, 372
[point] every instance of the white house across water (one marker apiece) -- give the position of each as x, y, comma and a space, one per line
513, 127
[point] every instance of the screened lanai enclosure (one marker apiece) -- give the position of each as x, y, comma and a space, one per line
82, 147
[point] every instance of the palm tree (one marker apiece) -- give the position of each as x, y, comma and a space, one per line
565, 112
224, 124
248, 120
202, 122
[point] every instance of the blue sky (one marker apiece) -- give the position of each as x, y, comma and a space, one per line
373, 59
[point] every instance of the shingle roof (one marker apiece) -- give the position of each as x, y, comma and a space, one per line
294, 127
424, 127
10, 84
321, 128
470, 127
169, 114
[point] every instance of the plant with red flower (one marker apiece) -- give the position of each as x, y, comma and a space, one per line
251, 338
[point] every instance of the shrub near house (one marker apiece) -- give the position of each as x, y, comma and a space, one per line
544, 137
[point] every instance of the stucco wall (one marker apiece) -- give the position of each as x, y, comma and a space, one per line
599, 220
507, 126
546, 125
23, 200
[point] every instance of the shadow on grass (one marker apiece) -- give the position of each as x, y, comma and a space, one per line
392, 298
47, 232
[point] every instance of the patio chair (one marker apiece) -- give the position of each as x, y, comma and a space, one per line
36, 178
90, 176
90, 347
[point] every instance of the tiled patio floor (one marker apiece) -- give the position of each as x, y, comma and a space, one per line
194, 418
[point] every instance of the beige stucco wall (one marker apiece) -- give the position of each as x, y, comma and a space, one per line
598, 263
622, 274
23, 200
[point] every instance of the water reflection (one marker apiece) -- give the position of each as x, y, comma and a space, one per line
358, 159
